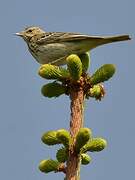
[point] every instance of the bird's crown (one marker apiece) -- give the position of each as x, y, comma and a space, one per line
30, 32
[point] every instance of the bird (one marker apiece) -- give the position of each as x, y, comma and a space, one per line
55, 47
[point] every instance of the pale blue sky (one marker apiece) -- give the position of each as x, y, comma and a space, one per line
25, 115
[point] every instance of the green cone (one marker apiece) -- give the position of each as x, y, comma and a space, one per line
64, 137
53, 89
85, 59
85, 159
49, 71
50, 138
94, 145
62, 155
74, 66
82, 138
49, 165
95, 91
104, 73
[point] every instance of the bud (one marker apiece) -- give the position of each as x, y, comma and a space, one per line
95, 145
104, 73
49, 165
64, 137
85, 159
97, 91
85, 59
82, 138
74, 66
53, 89
49, 71
50, 138
62, 155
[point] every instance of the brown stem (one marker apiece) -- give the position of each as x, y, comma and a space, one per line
76, 122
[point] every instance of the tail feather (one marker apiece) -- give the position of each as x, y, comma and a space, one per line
95, 41
118, 38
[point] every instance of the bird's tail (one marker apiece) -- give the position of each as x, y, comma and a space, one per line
101, 40
117, 38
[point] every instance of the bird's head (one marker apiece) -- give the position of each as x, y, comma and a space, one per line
29, 32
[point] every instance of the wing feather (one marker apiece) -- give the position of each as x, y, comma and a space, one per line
56, 37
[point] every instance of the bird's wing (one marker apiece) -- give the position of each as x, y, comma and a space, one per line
55, 37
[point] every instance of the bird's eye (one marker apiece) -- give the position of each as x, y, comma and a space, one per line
29, 31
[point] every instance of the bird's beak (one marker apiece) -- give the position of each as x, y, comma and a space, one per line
19, 34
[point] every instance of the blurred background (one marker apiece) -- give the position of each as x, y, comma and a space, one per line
25, 114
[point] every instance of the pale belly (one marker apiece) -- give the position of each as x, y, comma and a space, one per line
56, 53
